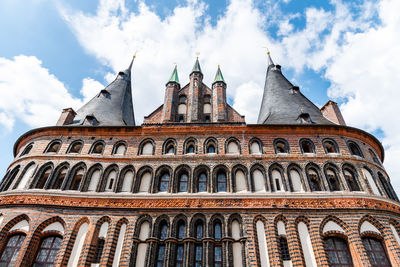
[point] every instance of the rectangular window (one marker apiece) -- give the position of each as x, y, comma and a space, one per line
217, 256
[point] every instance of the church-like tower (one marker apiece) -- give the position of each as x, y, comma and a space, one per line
194, 185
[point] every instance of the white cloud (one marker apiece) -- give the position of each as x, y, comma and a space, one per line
90, 88
31, 94
359, 58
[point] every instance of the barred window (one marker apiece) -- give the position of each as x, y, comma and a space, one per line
11, 250
338, 252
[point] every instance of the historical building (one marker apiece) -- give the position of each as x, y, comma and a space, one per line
195, 185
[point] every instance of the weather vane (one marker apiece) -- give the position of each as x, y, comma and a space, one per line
267, 49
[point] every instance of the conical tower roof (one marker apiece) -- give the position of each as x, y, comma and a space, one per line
283, 103
196, 66
174, 76
218, 76
112, 106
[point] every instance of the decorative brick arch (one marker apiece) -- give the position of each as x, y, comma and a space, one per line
138, 178
178, 218
159, 172
260, 167
36, 238
213, 219
53, 177
339, 222
296, 167
329, 165
237, 217
69, 241
374, 222
168, 143
71, 174
145, 141
88, 176
156, 226
181, 169
195, 218
281, 170
209, 141
243, 168
121, 177
104, 177
258, 141
27, 166
215, 172
195, 177
90, 251
110, 247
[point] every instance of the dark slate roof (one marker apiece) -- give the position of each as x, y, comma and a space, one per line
283, 103
112, 106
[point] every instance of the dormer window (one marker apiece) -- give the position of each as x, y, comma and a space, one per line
304, 118
90, 120
104, 93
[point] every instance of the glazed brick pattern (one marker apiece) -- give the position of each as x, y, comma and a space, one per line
349, 220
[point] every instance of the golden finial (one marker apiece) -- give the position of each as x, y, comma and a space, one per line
134, 55
175, 64
197, 54
267, 50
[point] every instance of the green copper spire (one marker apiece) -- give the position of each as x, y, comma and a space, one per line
174, 76
218, 76
196, 67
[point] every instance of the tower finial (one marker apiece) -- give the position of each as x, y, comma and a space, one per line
196, 67
218, 76
174, 76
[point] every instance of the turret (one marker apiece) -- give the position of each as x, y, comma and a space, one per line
196, 80
219, 97
112, 106
283, 103
171, 97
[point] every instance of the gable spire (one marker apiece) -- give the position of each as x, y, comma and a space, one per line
174, 76
196, 66
218, 76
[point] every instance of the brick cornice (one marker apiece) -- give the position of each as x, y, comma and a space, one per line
288, 203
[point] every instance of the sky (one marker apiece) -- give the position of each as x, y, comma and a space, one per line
57, 53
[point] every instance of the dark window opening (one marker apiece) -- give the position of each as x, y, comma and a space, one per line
98, 148
181, 230
278, 185
179, 256
199, 230
60, 178
76, 147
27, 150
330, 147
307, 146
54, 147
181, 118
354, 149
351, 180
217, 230
338, 252
171, 149
217, 256
333, 180
76, 181
43, 178
163, 230
374, 157
160, 256
304, 118
207, 99
207, 119
314, 180
284, 248
281, 147
210, 149
182, 99
99, 250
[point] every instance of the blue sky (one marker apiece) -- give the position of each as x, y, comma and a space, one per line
56, 54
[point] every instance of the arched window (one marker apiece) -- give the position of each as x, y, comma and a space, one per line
97, 148
59, 177
53, 147
330, 146
306, 245
26, 176
307, 146
232, 147
371, 182
9, 178
295, 180
11, 249
376, 252
221, 181
183, 182
314, 180
169, 147
354, 149
119, 148
145, 182
338, 252
47, 252
240, 181
144, 233
202, 182
180, 229
387, 187
78, 245
277, 180
75, 147
27, 150
281, 146
211, 146
162, 235
333, 180
147, 148
217, 247
351, 180
99, 250
43, 176
77, 178
164, 182
374, 157
258, 181
255, 147
198, 229
190, 146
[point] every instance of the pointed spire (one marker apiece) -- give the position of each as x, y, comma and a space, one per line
112, 106
218, 76
174, 76
282, 103
196, 66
